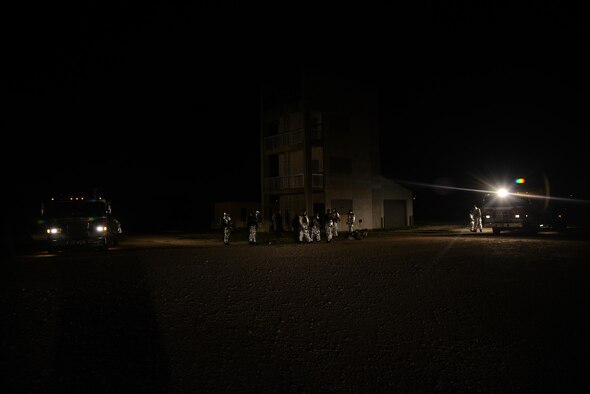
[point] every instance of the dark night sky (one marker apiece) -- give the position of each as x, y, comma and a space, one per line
134, 99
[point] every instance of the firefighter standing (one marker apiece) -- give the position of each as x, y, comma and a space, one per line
227, 226
475, 216
253, 221
304, 227
316, 228
350, 222
336, 220
329, 223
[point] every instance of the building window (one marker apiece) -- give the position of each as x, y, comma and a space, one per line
315, 166
273, 165
317, 159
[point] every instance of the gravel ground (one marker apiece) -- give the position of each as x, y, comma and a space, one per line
441, 310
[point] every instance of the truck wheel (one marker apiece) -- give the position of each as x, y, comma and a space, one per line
496, 230
103, 246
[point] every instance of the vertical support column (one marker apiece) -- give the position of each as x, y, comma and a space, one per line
307, 181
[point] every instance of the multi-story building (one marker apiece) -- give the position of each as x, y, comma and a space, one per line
320, 150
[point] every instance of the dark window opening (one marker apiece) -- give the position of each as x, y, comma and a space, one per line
273, 165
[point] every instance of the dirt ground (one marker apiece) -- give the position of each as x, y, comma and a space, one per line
437, 310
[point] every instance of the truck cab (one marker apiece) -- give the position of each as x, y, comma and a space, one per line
523, 207
511, 211
79, 221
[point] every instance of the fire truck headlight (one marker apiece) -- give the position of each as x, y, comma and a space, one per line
517, 216
54, 230
101, 229
488, 216
502, 192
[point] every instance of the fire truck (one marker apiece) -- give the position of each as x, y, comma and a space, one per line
79, 221
522, 207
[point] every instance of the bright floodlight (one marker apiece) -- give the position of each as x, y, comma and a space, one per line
502, 192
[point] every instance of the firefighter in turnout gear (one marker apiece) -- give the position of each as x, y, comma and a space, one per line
336, 221
329, 223
475, 216
304, 227
253, 222
350, 223
227, 226
316, 228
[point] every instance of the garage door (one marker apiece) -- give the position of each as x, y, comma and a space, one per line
394, 213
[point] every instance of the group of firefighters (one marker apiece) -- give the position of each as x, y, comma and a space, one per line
308, 229
305, 228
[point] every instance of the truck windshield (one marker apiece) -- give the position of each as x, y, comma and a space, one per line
86, 208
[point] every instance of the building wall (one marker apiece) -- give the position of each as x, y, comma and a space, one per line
349, 156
